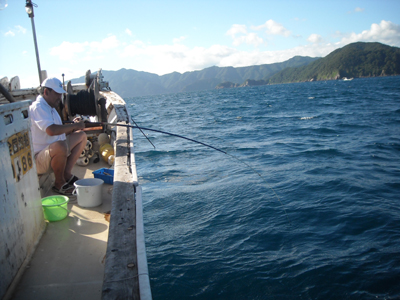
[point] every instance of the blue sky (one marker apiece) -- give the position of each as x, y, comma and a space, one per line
166, 36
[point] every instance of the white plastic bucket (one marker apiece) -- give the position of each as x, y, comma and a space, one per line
88, 192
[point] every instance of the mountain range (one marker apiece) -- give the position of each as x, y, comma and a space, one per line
354, 60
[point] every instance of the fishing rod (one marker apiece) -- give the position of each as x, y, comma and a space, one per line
159, 131
201, 143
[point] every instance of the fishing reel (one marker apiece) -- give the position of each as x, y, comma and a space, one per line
87, 102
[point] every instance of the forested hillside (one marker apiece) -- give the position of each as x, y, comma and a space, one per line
354, 60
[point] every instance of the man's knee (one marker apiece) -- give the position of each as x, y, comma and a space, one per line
59, 147
84, 137
80, 136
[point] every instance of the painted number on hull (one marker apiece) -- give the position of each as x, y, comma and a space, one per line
20, 154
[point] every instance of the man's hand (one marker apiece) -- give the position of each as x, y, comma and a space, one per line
79, 123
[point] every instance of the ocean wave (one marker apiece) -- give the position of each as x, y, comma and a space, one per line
216, 230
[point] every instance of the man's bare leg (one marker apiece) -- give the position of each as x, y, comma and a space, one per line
77, 142
58, 154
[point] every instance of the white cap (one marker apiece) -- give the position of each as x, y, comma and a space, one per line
54, 84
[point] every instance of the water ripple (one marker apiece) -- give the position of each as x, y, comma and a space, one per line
321, 223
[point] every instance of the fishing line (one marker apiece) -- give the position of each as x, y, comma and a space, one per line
256, 172
201, 143
265, 181
142, 132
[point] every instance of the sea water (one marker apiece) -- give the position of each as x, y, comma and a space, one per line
306, 205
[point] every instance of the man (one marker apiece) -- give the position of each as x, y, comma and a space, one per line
56, 146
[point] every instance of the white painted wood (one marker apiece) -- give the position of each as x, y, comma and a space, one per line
144, 280
14, 84
21, 214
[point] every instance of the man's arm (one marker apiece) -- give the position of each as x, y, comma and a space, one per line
66, 128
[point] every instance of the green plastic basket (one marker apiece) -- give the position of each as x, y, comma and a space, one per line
55, 208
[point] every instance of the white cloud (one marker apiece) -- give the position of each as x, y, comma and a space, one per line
179, 40
187, 59
135, 49
128, 32
386, 32
88, 51
299, 19
236, 29
240, 35
244, 58
112, 54
108, 43
29, 81
273, 28
18, 29
250, 39
9, 33
162, 59
67, 50
314, 38
356, 10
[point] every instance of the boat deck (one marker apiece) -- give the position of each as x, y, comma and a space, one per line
68, 262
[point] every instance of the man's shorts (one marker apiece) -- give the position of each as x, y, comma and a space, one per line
43, 159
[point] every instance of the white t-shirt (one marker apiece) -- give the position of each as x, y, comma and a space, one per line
42, 116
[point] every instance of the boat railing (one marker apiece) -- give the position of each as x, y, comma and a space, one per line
125, 275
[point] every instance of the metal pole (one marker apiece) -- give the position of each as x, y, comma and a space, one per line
36, 50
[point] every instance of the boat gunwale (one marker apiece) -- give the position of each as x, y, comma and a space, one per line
126, 271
